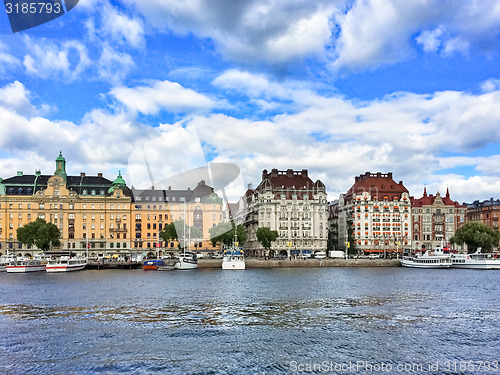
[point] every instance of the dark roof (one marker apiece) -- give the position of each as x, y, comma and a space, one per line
486, 203
30, 184
289, 182
201, 191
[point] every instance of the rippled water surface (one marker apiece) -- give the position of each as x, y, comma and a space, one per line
257, 321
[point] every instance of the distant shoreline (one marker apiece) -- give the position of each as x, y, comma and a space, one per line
299, 263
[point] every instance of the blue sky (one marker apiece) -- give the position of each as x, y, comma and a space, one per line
335, 87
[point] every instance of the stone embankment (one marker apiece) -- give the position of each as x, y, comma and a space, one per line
297, 263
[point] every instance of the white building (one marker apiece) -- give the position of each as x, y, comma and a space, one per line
374, 216
292, 204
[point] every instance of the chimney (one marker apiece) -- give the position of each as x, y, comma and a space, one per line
99, 175
264, 174
389, 175
82, 174
19, 173
250, 187
289, 172
304, 172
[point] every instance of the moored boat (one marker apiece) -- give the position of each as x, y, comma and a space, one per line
152, 264
66, 264
428, 259
5, 260
478, 260
25, 265
186, 261
233, 259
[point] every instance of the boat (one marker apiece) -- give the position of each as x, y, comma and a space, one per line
66, 264
436, 258
233, 259
186, 261
25, 265
152, 264
5, 260
477, 260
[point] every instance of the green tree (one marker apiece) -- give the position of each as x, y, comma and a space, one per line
39, 233
476, 234
224, 233
175, 231
266, 236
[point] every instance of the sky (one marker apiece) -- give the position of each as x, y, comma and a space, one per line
154, 88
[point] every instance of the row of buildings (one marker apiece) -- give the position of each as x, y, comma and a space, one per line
93, 213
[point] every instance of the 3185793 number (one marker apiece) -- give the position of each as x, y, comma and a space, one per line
33, 8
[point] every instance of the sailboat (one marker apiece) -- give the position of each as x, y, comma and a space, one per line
187, 259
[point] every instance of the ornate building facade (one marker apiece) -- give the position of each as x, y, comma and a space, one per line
435, 220
374, 215
102, 216
290, 203
91, 212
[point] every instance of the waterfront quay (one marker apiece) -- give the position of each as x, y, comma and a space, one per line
303, 263
260, 263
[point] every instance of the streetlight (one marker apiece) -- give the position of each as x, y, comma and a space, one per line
160, 223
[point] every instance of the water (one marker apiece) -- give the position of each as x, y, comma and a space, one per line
256, 321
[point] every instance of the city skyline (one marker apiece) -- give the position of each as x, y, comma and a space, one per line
339, 88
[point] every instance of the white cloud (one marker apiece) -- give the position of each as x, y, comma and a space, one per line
16, 97
247, 31
162, 95
113, 66
121, 28
430, 39
47, 59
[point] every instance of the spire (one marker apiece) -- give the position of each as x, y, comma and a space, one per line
425, 191
447, 192
61, 167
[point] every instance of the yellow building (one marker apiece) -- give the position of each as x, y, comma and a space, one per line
91, 212
101, 216
154, 209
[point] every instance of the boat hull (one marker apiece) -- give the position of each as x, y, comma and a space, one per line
412, 264
184, 265
24, 269
233, 265
64, 268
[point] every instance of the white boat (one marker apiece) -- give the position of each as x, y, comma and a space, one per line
428, 259
478, 260
186, 261
233, 259
66, 264
5, 260
25, 265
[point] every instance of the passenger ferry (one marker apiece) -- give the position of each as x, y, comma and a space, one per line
186, 261
478, 260
429, 259
25, 265
66, 264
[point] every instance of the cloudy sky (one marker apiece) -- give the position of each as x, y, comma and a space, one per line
158, 87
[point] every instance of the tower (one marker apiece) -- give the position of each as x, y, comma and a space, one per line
61, 167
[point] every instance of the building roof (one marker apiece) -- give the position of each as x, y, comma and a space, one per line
377, 184
290, 183
429, 200
202, 191
490, 203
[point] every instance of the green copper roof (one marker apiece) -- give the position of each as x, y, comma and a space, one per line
119, 182
60, 157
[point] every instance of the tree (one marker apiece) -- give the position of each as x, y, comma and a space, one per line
39, 233
175, 231
266, 236
476, 234
224, 233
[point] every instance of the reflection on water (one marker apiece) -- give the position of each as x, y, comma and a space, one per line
256, 321
278, 314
